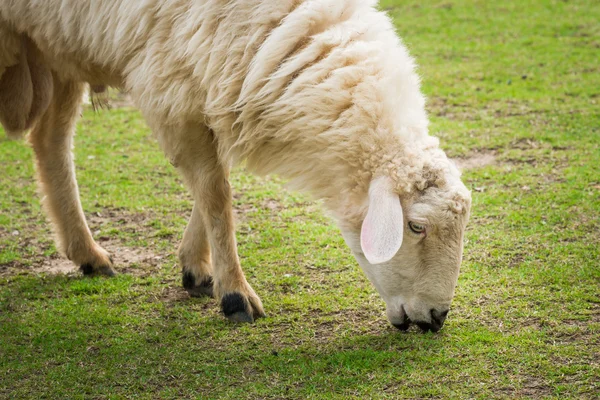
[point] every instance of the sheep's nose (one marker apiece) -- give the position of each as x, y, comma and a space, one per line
404, 324
438, 317
437, 321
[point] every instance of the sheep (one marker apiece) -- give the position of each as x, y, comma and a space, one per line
320, 92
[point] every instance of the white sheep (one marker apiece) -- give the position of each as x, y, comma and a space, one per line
321, 92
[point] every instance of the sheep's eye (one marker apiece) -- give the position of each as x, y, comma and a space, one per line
416, 228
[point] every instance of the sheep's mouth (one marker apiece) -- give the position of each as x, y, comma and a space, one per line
434, 326
424, 326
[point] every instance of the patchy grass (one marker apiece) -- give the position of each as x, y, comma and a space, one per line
513, 93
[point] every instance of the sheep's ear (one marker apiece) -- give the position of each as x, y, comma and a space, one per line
381, 233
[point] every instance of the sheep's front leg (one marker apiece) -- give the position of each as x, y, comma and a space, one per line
52, 139
239, 302
194, 255
193, 151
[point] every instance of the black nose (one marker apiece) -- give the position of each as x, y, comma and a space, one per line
437, 321
439, 316
404, 325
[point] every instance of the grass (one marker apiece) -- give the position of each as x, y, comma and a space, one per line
517, 82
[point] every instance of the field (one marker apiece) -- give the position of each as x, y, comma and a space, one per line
513, 93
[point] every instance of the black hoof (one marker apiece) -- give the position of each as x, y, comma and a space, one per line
205, 288
89, 270
235, 309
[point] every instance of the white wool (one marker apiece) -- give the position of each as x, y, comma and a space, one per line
320, 91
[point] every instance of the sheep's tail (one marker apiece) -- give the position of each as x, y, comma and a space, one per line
25, 84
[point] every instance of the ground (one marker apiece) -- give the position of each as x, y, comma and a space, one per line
513, 92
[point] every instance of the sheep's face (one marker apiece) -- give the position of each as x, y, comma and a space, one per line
410, 247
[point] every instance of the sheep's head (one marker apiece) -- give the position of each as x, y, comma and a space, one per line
410, 246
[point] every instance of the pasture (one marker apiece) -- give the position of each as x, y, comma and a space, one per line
513, 93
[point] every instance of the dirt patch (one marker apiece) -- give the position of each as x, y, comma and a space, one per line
173, 294
54, 266
138, 261
530, 387
272, 204
116, 217
476, 160
131, 261
328, 326
534, 387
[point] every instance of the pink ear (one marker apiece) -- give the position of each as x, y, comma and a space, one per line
382, 229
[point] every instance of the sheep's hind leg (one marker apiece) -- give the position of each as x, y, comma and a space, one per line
193, 151
194, 255
52, 139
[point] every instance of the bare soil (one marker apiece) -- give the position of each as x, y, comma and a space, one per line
476, 160
138, 261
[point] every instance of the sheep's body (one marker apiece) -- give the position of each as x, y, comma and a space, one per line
321, 92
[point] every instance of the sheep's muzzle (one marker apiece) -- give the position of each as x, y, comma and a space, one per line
437, 321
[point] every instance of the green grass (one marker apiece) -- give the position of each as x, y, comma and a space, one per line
518, 81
